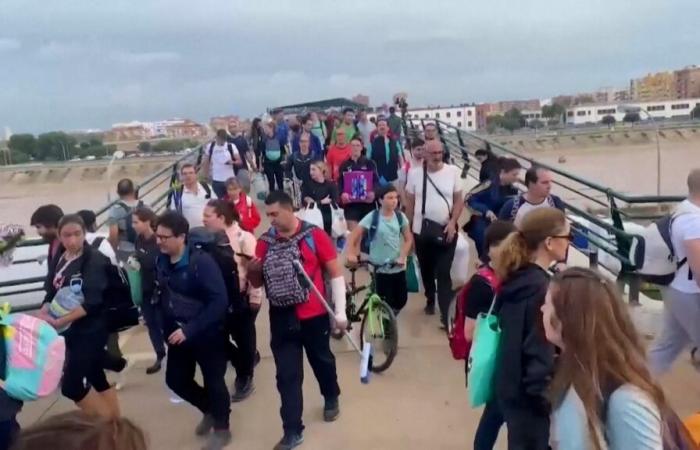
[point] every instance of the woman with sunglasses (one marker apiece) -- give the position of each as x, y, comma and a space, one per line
75, 286
526, 360
603, 394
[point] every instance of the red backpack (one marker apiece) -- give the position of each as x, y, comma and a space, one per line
458, 343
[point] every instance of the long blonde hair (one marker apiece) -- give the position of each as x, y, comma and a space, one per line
320, 165
601, 347
518, 248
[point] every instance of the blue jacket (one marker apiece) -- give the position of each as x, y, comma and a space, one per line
489, 196
195, 284
314, 145
283, 133
510, 208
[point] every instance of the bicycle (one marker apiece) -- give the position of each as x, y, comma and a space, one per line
378, 321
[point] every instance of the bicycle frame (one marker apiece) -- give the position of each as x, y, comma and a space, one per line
368, 306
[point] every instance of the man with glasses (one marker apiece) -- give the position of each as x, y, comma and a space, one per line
194, 301
313, 140
434, 203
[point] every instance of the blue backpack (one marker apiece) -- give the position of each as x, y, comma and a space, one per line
369, 237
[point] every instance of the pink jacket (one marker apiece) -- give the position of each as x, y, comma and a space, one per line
244, 242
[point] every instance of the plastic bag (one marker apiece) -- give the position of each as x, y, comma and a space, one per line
339, 227
482, 358
259, 186
311, 214
412, 275
459, 272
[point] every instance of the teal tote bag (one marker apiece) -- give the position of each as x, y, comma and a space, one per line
483, 357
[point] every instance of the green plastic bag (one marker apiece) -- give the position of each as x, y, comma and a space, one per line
412, 284
135, 286
483, 357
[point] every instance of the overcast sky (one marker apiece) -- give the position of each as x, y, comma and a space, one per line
76, 64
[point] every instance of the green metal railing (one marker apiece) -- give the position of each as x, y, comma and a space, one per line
153, 190
611, 237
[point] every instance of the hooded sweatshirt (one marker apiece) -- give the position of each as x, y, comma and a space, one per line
526, 360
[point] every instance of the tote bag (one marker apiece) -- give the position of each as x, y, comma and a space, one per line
412, 283
483, 357
311, 214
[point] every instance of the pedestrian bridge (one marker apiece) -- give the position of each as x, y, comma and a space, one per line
420, 402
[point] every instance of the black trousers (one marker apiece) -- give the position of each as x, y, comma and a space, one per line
290, 337
392, 288
274, 173
85, 354
209, 352
527, 429
435, 262
241, 345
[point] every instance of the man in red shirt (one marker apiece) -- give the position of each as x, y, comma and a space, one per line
338, 153
298, 318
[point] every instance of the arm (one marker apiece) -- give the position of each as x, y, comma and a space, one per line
537, 353
633, 420
407, 242
410, 206
212, 291
477, 202
114, 235
692, 248
506, 210
353, 244
205, 167
255, 215
457, 207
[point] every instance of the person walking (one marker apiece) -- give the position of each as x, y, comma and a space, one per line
45, 220
321, 191
525, 362
347, 125
538, 181
433, 205
194, 299
338, 153
315, 144
681, 324
256, 138
365, 127
121, 234
244, 205
221, 158
386, 153
318, 128
191, 196
489, 163
602, 393
73, 305
146, 255
273, 157
242, 171
357, 181
390, 243
298, 319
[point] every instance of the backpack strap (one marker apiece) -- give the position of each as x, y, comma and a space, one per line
206, 188
229, 145
211, 150
399, 218
517, 201
490, 276
373, 226
97, 242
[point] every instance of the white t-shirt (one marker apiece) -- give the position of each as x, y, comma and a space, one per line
193, 204
105, 247
436, 209
220, 171
527, 207
686, 227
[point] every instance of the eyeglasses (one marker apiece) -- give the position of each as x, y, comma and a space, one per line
569, 237
160, 237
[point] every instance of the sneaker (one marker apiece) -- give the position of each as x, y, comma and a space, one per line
242, 391
155, 368
218, 440
289, 441
331, 410
205, 426
429, 309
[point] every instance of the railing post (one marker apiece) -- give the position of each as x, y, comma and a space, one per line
465, 155
635, 284
592, 257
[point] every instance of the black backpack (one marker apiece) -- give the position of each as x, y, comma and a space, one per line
130, 232
118, 308
219, 248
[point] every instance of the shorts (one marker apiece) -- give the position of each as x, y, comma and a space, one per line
356, 211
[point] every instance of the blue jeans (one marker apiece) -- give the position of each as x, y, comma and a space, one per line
477, 231
489, 426
154, 322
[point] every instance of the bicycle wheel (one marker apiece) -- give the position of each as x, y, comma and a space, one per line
380, 329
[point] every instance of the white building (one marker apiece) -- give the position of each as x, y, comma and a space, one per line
463, 117
530, 115
661, 109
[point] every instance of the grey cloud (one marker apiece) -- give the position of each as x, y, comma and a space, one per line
7, 44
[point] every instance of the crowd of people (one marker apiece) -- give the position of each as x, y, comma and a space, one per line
571, 370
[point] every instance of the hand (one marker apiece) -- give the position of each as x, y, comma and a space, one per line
450, 231
345, 197
352, 260
326, 200
308, 200
370, 197
491, 216
229, 162
178, 337
341, 322
254, 306
400, 261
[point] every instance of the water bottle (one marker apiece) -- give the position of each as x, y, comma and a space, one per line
66, 300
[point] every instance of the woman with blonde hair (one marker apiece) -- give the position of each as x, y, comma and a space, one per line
602, 393
526, 360
319, 189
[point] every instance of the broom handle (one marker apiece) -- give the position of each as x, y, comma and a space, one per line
301, 270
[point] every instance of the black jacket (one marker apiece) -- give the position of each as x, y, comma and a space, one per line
526, 360
147, 253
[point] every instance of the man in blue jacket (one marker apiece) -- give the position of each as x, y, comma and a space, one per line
314, 142
194, 302
282, 131
539, 185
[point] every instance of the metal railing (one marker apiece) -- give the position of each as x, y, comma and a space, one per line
153, 191
605, 232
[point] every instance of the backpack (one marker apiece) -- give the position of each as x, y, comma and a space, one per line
372, 232
129, 230
229, 146
119, 310
458, 342
218, 247
34, 357
658, 263
176, 195
280, 277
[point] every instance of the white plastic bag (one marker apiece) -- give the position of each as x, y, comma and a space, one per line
339, 227
459, 272
259, 186
311, 214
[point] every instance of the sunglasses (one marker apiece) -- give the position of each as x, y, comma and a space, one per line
569, 237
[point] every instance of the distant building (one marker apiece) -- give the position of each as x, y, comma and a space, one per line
687, 82
461, 116
223, 122
361, 99
662, 109
140, 131
130, 131
656, 86
319, 105
483, 111
521, 105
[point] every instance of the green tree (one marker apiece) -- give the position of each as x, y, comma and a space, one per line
23, 143
536, 124
608, 120
631, 117
695, 113
144, 147
55, 146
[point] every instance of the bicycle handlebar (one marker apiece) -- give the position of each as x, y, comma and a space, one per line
367, 263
